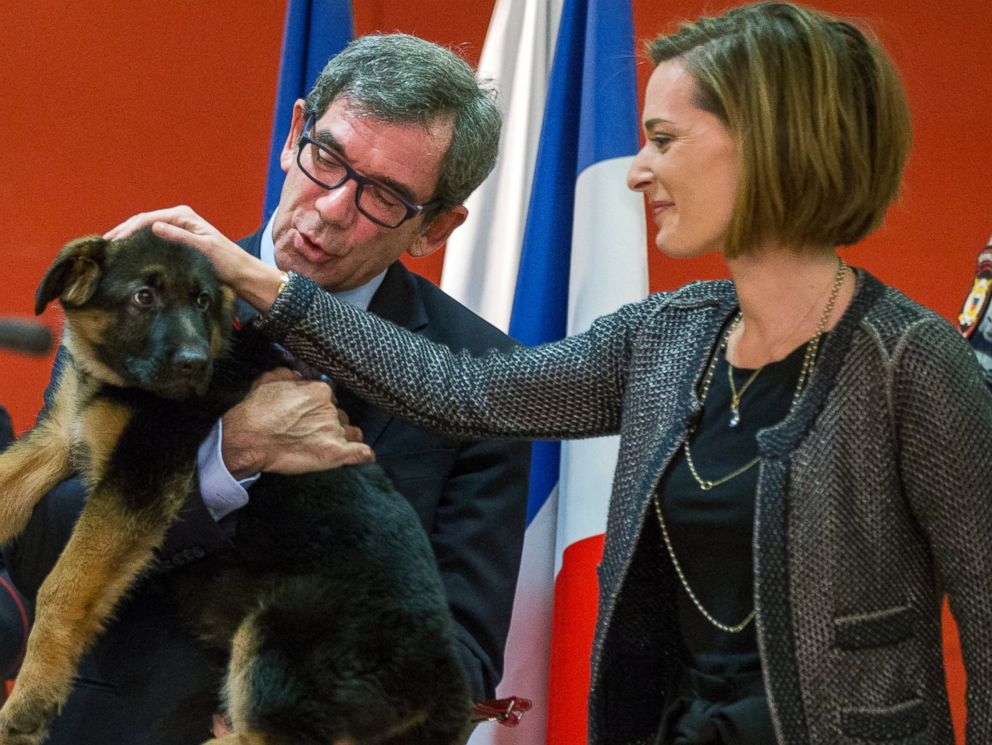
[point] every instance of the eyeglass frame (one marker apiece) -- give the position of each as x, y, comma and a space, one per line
350, 174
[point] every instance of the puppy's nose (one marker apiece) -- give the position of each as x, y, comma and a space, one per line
190, 362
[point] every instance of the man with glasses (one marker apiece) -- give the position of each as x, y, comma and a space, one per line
393, 137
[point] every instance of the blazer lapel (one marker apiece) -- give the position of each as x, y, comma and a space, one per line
243, 312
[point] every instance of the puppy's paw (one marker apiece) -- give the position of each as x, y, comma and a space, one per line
25, 720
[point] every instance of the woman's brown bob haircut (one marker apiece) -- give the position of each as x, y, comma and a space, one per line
819, 115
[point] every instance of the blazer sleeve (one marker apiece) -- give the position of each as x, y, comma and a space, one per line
943, 415
568, 389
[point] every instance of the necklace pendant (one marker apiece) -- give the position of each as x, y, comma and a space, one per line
735, 418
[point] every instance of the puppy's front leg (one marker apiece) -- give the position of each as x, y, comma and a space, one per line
109, 548
37, 462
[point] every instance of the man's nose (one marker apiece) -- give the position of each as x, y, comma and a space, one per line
337, 205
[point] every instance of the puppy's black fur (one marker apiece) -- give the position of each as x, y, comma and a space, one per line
333, 613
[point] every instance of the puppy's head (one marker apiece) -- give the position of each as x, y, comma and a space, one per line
141, 312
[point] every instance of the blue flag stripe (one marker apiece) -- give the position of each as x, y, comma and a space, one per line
609, 124
590, 115
315, 31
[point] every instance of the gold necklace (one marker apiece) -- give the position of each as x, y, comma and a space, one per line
735, 395
809, 358
736, 628
707, 484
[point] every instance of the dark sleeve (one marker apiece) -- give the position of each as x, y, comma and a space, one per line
6, 429
477, 538
14, 625
567, 389
15, 611
943, 412
30, 556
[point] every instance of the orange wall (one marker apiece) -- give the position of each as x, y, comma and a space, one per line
111, 108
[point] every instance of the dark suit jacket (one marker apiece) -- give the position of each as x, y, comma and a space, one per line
139, 683
14, 610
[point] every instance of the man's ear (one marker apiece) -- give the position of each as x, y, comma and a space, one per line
74, 274
288, 154
431, 238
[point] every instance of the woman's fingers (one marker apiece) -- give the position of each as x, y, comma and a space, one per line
180, 216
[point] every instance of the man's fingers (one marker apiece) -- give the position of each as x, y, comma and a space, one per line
274, 376
352, 433
220, 726
320, 390
355, 453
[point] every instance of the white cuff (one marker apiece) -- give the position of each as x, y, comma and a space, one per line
221, 492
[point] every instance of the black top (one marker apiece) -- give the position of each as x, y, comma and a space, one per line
711, 531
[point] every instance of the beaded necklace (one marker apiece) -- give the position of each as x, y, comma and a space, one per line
809, 359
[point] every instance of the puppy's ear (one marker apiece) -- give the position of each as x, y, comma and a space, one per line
225, 320
74, 274
227, 299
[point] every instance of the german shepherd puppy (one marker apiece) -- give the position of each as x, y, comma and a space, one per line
332, 613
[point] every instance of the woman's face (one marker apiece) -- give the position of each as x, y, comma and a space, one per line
688, 169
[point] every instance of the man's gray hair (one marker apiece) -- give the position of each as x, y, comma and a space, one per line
405, 80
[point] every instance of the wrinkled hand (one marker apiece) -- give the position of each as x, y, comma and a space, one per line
252, 279
288, 425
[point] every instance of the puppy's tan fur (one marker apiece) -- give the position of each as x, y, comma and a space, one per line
112, 543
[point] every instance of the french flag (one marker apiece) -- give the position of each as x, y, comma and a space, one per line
314, 31
553, 241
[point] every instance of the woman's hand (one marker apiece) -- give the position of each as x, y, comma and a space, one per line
253, 280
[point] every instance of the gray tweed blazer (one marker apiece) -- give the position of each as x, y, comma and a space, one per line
874, 496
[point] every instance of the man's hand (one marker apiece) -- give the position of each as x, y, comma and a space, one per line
288, 425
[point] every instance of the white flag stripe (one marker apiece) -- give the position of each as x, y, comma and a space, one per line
482, 256
609, 257
606, 265
529, 642
608, 269
587, 468
480, 270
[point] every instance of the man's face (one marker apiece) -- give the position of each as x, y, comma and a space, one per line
320, 233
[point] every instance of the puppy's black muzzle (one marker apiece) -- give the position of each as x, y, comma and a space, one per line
191, 364
177, 374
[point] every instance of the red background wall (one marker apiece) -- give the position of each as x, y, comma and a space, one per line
111, 108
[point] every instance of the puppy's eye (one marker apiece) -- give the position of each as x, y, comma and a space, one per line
144, 297
203, 301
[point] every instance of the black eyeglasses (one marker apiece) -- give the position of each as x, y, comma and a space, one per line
326, 168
